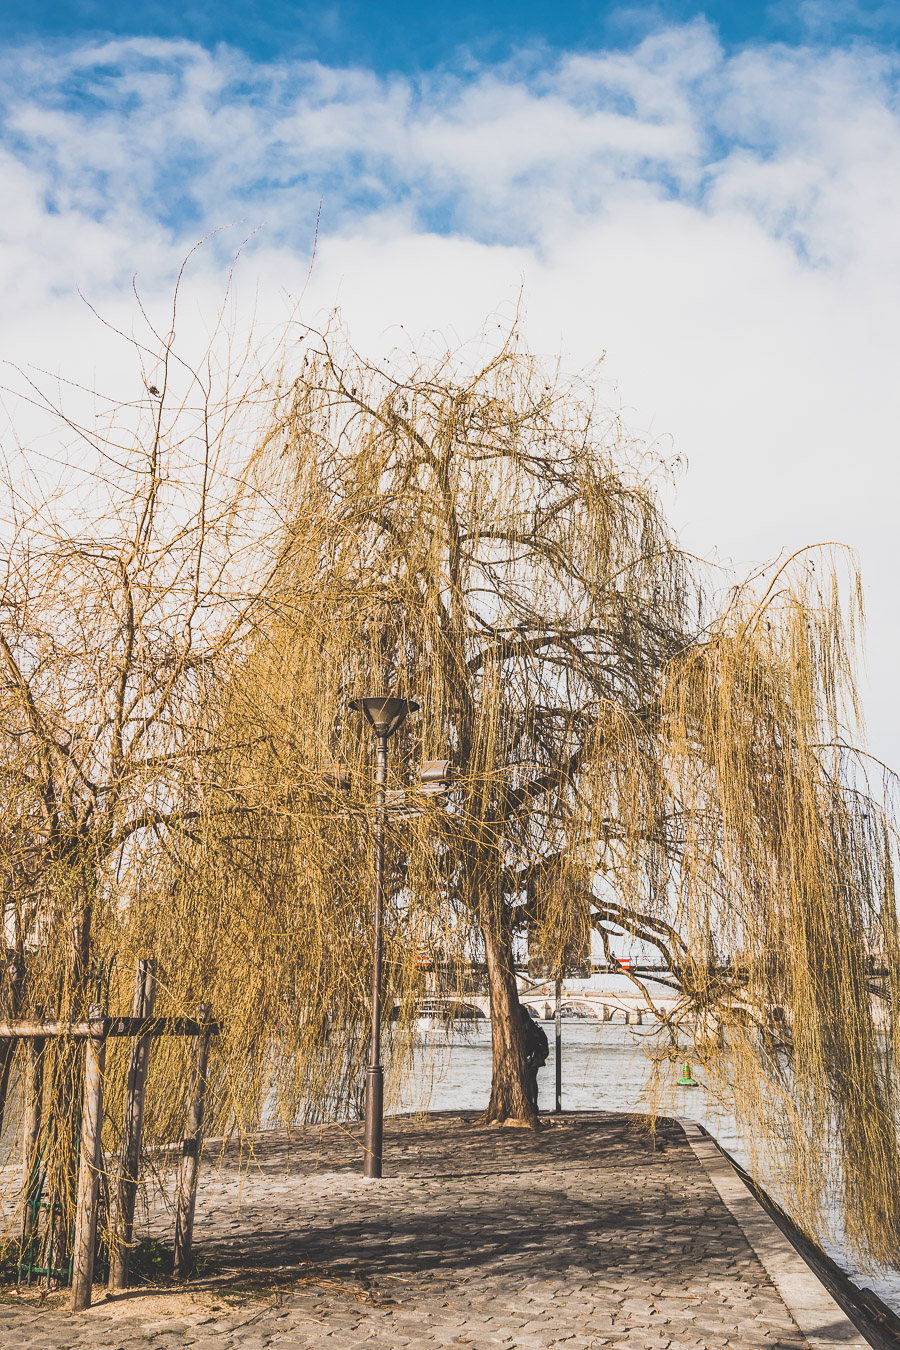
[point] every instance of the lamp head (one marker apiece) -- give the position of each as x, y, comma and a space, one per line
435, 776
384, 715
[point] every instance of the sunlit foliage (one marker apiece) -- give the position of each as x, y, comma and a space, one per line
637, 750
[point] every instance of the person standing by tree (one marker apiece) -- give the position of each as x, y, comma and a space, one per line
537, 1052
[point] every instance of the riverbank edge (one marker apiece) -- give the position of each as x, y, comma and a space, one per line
827, 1306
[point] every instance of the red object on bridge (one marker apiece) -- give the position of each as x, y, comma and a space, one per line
624, 961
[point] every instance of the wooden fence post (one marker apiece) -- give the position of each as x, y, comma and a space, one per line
33, 1092
190, 1153
122, 1218
90, 1161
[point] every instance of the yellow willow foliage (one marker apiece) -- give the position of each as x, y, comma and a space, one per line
783, 866
632, 755
128, 598
153, 808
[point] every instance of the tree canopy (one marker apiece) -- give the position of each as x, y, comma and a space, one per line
638, 749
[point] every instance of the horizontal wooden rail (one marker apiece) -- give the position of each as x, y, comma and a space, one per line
100, 1027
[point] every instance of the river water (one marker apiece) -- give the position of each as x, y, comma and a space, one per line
604, 1067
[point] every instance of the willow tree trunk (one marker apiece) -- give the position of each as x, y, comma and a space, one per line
509, 1103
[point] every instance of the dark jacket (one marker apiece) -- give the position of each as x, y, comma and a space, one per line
537, 1047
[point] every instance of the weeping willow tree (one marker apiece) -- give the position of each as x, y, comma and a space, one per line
634, 753
131, 584
125, 599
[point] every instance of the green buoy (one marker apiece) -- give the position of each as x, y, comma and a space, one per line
687, 1079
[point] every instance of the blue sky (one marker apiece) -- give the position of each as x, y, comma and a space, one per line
709, 200
410, 36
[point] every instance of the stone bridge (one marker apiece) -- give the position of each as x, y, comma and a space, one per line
603, 1005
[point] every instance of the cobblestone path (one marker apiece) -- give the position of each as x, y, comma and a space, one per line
586, 1234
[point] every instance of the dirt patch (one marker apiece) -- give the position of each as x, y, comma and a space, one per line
154, 1305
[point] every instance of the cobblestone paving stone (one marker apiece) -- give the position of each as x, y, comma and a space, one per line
585, 1234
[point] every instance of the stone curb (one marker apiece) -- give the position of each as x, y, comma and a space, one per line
819, 1318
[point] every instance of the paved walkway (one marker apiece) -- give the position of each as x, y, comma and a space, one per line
586, 1234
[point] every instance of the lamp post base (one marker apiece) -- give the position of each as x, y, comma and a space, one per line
372, 1140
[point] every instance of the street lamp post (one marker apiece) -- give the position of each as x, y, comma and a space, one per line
558, 1023
384, 715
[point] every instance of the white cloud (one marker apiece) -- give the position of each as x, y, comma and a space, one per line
725, 227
